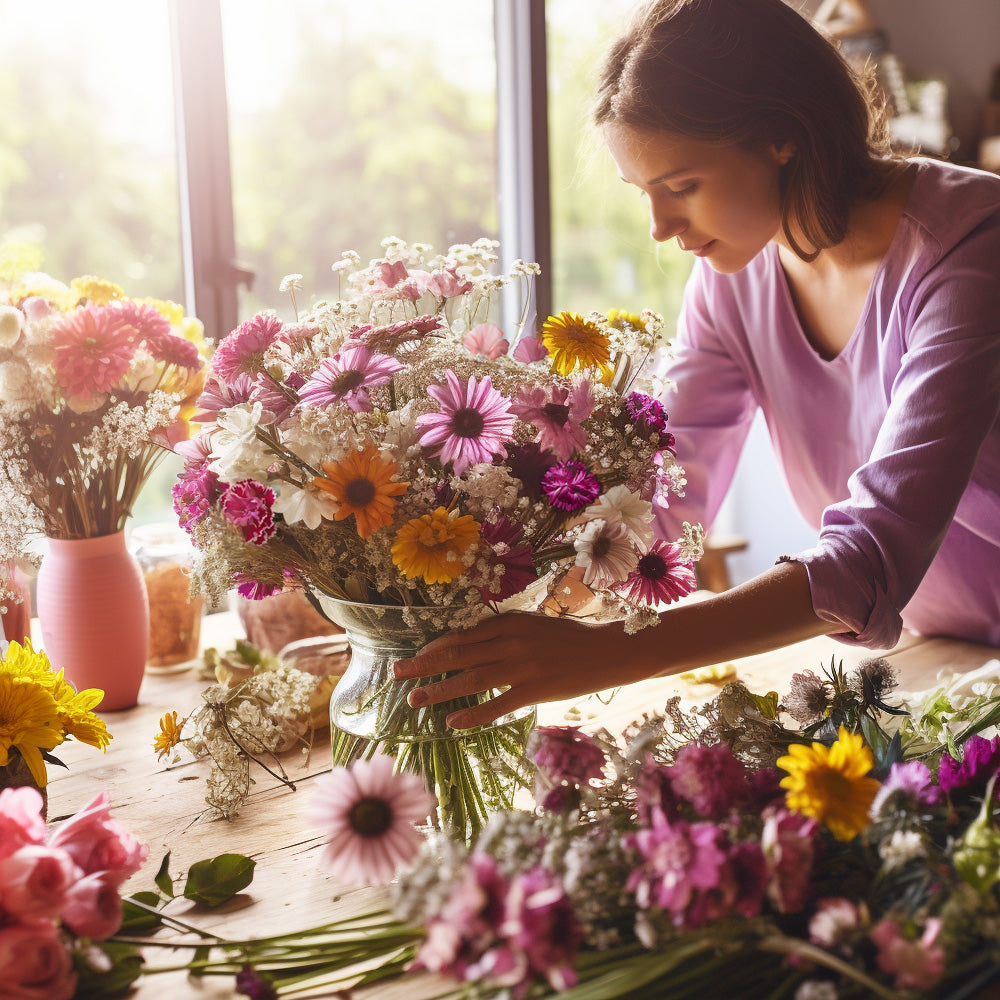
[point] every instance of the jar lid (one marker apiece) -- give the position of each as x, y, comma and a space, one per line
162, 536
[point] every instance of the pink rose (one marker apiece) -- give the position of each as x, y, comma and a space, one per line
34, 963
20, 819
98, 843
34, 881
93, 907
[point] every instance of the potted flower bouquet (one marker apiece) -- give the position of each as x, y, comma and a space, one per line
389, 453
94, 389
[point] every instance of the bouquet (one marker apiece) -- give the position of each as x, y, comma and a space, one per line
41, 710
95, 387
392, 453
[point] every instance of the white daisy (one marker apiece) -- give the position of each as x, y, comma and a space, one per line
605, 553
622, 504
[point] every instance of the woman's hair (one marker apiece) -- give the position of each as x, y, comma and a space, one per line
754, 73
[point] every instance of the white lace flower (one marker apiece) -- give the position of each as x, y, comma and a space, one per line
901, 847
605, 553
622, 504
308, 506
236, 451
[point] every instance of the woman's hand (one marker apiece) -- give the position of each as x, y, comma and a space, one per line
537, 658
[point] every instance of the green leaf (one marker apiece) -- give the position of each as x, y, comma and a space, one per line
95, 984
136, 920
766, 704
249, 653
218, 880
163, 880
51, 758
200, 955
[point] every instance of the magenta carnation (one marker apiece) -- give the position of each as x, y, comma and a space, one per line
254, 590
970, 776
247, 505
242, 351
194, 494
662, 576
570, 486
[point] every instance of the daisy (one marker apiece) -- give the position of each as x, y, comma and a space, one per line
557, 415
362, 485
92, 348
472, 424
432, 546
661, 575
622, 504
605, 553
348, 377
242, 351
830, 783
570, 486
367, 814
169, 735
573, 340
310, 506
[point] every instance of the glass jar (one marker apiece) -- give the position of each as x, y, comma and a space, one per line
15, 603
165, 555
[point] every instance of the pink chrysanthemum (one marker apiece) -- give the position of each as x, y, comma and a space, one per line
506, 547
366, 813
218, 395
93, 346
558, 415
570, 486
662, 575
154, 331
247, 504
242, 351
348, 377
473, 422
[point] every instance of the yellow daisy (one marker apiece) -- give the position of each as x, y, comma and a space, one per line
362, 485
169, 735
97, 291
29, 722
432, 545
573, 340
829, 783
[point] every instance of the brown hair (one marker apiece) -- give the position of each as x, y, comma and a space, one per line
752, 73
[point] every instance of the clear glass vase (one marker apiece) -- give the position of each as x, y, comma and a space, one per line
471, 772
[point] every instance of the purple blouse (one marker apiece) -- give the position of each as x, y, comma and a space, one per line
892, 449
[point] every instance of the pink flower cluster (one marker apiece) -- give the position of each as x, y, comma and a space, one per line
510, 932
57, 885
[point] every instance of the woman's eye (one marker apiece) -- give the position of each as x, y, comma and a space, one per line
685, 191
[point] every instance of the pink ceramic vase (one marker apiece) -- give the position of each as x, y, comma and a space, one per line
94, 616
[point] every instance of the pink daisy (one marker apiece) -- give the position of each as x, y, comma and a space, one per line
347, 377
93, 347
242, 351
247, 504
472, 424
661, 575
367, 814
558, 415
605, 552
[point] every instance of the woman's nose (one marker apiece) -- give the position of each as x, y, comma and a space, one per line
665, 223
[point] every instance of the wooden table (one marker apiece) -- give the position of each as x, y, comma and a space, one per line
164, 804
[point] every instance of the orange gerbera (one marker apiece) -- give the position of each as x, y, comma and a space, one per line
362, 485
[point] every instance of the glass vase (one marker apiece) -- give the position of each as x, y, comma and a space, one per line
472, 772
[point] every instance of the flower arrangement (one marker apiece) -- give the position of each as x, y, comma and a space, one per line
59, 895
95, 387
258, 708
391, 449
658, 865
39, 710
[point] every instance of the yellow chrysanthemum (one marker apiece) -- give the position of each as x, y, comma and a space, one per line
29, 721
362, 485
618, 318
172, 312
97, 291
573, 340
829, 783
19, 258
432, 546
169, 735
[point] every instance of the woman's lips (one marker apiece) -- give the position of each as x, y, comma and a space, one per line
703, 250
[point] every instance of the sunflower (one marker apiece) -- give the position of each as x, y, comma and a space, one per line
29, 722
169, 735
573, 340
829, 783
432, 545
362, 485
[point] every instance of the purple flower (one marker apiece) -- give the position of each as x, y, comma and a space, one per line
569, 486
254, 590
541, 928
662, 575
247, 505
242, 351
529, 463
253, 984
507, 549
710, 778
971, 775
908, 784
473, 422
566, 754
347, 378
789, 843
649, 417
194, 494
557, 414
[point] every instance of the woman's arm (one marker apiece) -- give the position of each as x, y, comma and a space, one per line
547, 659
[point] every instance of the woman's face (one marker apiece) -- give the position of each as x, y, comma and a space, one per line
718, 202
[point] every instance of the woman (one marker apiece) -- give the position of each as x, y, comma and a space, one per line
853, 296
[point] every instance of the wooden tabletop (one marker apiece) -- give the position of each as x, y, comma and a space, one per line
163, 804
